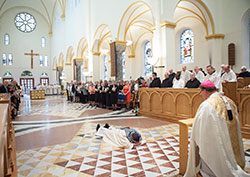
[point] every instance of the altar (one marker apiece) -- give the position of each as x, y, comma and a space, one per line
37, 94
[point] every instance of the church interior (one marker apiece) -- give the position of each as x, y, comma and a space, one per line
69, 65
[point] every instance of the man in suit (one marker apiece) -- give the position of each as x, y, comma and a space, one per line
156, 82
4, 87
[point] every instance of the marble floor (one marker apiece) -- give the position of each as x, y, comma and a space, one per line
56, 138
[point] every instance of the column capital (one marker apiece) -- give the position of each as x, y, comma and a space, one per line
96, 53
120, 42
215, 36
167, 24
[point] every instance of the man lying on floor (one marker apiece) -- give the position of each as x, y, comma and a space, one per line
123, 138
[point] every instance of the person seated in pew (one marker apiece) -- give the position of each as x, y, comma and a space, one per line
123, 138
178, 82
199, 74
171, 74
229, 75
193, 82
4, 88
213, 76
185, 74
156, 82
244, 72
167, 82
216, 147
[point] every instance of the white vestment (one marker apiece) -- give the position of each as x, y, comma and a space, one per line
210, 141
58, 89
54, 89
185, 76
230, 76
215, 79
200, 76
114, 137
178, 83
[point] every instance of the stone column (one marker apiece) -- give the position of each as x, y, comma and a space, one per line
96, 66
168, 45
78, 65
215, 43
58, 75
119, 49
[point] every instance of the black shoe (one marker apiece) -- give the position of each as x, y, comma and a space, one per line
106, 126
97, 127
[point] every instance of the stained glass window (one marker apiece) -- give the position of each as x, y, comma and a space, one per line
6, 39
25, 22
45, 60
4, 59
187, 46
147, 57
123, 65
10, 59
105, 71
41, 60
43, 42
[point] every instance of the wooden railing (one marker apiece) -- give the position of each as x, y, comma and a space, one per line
8, 165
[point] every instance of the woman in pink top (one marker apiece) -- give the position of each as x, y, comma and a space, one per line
92, 94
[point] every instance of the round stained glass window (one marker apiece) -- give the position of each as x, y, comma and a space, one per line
25, 22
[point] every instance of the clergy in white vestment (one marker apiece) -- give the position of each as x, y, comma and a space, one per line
199, 74
229, 75
185, 74
54, 87
50, 89
58, 87
178, 82
216, 147
123, 138
213, 76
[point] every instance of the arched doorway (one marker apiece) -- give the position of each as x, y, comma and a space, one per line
27, 80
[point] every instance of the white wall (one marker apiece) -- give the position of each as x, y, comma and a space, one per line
21, 43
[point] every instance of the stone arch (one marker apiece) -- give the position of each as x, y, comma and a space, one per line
54, 64
69, 56
136, 21
61, 60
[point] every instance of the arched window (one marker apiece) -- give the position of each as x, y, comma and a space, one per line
187, 46
7, 74
26, 73
105, 70
6, 39
43, 43
10, 59
41, 60
4, 59
45, 60
123, 65
147, 58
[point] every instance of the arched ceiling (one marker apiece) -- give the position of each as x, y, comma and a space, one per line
45, 8
196, 10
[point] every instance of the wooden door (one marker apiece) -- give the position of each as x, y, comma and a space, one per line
44, 81
28, 82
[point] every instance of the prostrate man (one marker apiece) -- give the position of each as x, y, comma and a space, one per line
213, 76
185, 74
216, 147
229, 75
244, 72
199, 74
193, 82
156, 82
178, 82
123, 138
167, 82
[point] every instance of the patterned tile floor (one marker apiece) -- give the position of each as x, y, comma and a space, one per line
85, 155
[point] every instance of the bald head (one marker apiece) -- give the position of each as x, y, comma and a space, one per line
171, 71
192, 76
166, 75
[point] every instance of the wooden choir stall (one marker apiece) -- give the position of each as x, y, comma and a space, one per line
180, 106
8, 165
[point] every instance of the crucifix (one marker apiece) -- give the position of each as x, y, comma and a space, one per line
32, 54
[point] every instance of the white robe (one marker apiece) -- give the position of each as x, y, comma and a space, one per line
210, 133
185, 76
178, 83
200, 76
54, 90
215, 79
230, 76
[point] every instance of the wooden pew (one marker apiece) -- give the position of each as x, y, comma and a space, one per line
8, 165
169, 104
230, 90
242, 82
